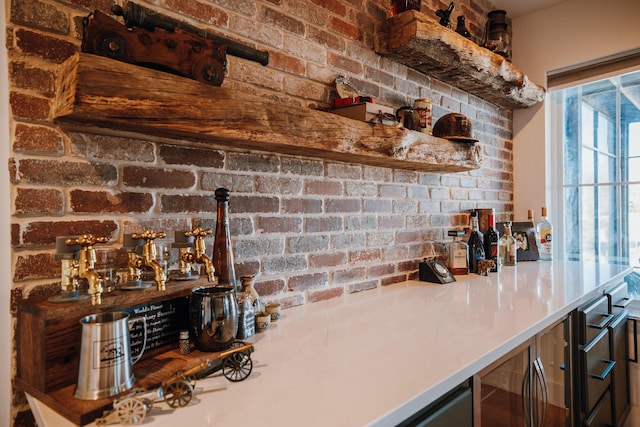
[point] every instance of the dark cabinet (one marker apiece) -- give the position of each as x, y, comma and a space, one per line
621, 395
602, 391
619, 346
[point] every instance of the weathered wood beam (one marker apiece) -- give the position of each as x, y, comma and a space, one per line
116, 96
419, 42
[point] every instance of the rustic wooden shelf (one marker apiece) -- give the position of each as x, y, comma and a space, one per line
115, 96
419, 42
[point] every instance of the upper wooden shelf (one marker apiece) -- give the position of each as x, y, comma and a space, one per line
116, 96
419, 42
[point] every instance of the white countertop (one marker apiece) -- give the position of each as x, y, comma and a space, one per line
378, 356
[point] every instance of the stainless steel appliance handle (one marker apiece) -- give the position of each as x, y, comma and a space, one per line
526, 397
635, 341
541, 379
605, 372
624, 303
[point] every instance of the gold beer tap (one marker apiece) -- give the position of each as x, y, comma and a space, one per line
149, 256
200, 255
86, 264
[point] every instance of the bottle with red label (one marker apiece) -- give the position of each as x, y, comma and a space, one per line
491, 243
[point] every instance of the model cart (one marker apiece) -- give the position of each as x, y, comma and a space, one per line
177, 390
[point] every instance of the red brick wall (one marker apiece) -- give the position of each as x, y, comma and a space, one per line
310, 229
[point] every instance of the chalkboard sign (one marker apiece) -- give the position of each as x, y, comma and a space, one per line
164, 321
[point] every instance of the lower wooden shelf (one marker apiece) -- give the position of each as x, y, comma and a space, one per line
110, 97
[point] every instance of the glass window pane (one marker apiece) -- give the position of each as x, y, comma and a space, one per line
606, 134
606, 168
607, 224
634, 223
634, 170
587, 173
587, 223
587, 126
634, 139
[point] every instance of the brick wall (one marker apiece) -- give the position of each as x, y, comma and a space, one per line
309, 229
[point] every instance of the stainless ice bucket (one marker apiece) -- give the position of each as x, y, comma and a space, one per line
214, 317
105, 355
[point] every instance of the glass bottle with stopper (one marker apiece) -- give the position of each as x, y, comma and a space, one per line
222, 252
508, 247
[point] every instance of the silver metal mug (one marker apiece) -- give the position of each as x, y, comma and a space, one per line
105, 355
214, 317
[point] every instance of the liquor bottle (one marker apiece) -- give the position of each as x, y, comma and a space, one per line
457, 254
222, 252
476, 244
545, 231
508, 247
491, 241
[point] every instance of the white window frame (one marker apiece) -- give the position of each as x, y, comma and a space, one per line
584, 73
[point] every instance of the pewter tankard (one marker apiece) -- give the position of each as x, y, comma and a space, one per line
214, 317
105, 355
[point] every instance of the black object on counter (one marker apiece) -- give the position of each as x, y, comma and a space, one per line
434, 271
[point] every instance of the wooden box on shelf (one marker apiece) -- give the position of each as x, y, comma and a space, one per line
49, 334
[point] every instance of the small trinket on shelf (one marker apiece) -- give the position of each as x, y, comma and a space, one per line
248, 287
183, 342
462, 28
445, 15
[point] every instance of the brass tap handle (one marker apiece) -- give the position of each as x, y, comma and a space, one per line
198, 232
86, 240
149, 235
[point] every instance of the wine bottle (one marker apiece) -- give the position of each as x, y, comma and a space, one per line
491, 241
476, 244
545, 231
222, 252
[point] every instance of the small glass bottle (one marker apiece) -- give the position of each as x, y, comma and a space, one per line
246, 316
508, 247
222, 252
491, 240
476, 244
457, 254
545, 231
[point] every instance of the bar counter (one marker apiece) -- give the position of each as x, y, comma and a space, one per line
378, 356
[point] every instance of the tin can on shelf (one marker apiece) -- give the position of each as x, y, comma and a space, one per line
422, 112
